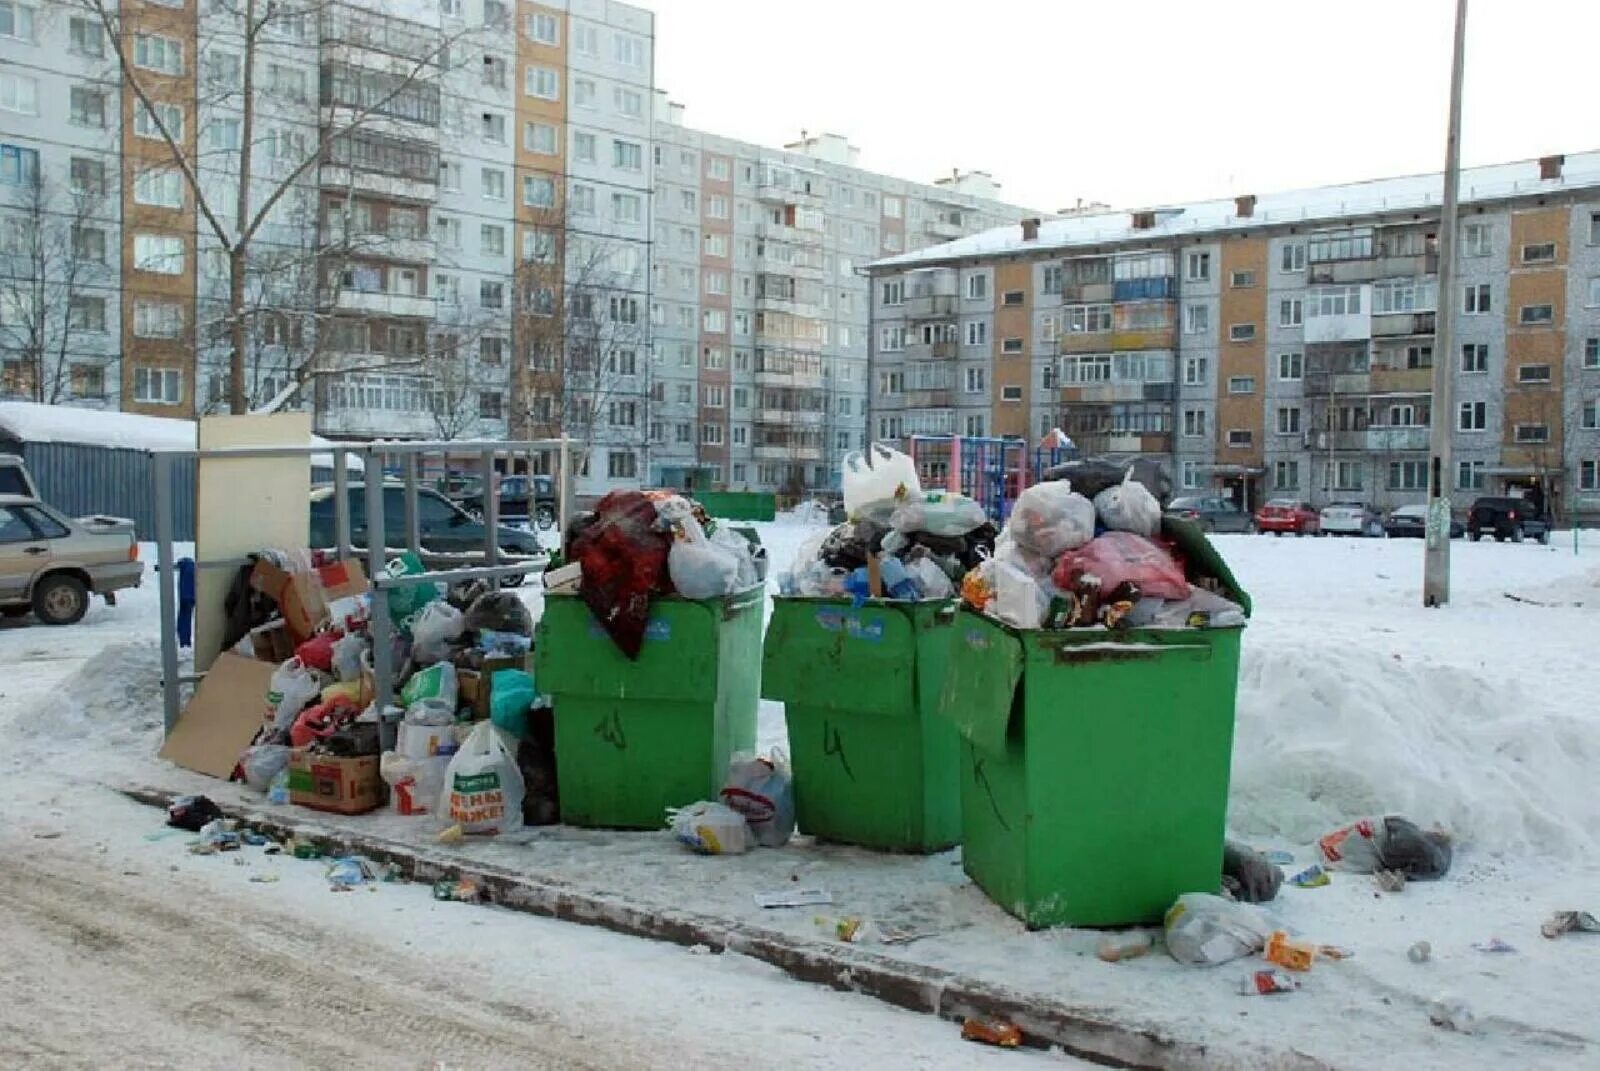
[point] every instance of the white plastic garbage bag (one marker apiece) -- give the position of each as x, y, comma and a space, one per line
940, 515
435, 625
1129, 507
700, 567
292, 688
882, 475
262, 763
483, 786
1019, 600
738, 546
1204, 930
347, 651
935, 584
762, 790
1050, 518
710, 828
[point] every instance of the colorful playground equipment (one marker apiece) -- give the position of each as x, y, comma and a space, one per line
991, 470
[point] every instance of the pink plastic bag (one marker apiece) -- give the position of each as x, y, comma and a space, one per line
1116, 557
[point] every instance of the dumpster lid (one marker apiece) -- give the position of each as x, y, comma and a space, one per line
1203, 557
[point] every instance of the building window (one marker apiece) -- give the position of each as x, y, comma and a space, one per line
1087, 319
1289, 420
1334, 301
157, 319
977, 287
1194, 371
1476, 298
156, 53
1473, 416
1594, 293
88, 244
541, 138
162, 187
1475, 357
491, 295
975, 381
586, 39
711, 434
627, 155
1533, 373
1539, 253
1475, 240
1293, 257
977, 333
1194, 423
1196, 319
158, 386
87, 106
1291, 366
1291, 312
87, 314
1191, 475
1408, 475
145, 125
628, 102
628, 50
492, 239
1285, 475
717, 168
1589, 476
1531, 433
1241, 280
87, 176
1011, 345
583, 92
1346, 475
1051, 282
489, 405
1013, 297
1469, 475
1590, 416
622, 465
1239, 438
158, 253
1536, 315
1591, 353
494, 184
626, 208
1241, 332
1241, 384
538, 191
1197, 267
715, 322
543, 28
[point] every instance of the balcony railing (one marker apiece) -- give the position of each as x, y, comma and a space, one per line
379, 303
943, 229
1386, 440
1400, 324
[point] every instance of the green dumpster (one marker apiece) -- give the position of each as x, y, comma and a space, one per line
874, 764
1094, 764
635, 738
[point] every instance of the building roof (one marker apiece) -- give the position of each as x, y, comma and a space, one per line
1324, 204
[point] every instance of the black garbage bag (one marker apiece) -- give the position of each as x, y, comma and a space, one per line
499, 611
192, 813
536, 759
848, 545
578, 524
1248, 876
1421, 855
1091, 475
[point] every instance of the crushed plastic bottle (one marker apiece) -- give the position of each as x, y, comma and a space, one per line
278, 790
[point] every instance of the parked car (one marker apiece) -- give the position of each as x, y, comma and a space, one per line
1212, 512
14, 477
521, 498
450, 536
1350, 518
51, 564
1506, 518
1282, 515
1411, 522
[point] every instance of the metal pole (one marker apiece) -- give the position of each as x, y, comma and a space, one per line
1436, 555
379, 626
563, 497
166, 577
341, 503
491, 510
413, 521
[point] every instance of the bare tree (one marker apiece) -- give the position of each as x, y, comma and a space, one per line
263, 26
581, 323
54, 259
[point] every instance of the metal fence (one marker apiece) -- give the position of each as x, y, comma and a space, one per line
79, 479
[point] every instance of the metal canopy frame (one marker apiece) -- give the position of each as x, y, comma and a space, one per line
374, 457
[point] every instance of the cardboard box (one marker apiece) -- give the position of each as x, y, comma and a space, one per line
271, 643
303, 598
222, 717
475, 686
332, 783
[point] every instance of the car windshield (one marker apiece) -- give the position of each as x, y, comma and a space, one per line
1187, 503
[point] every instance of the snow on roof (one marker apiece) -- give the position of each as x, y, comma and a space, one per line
1325, 204
29, 422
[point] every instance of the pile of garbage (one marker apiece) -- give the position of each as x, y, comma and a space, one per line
467, 709
755, 808
898, 542
637, 546
1099, 557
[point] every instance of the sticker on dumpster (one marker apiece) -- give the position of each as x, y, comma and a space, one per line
851, 624
977, 640
657, 630
610, 730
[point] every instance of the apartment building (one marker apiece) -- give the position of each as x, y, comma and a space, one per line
1273, 346
478, 218
760, 306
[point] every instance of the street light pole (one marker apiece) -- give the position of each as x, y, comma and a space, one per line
1436, 553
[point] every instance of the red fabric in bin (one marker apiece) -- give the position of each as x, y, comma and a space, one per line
624, 559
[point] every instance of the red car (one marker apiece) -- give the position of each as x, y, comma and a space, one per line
1286, 515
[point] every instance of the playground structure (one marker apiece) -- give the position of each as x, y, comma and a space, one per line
990, 470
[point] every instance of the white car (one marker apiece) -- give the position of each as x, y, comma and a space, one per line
1350, 518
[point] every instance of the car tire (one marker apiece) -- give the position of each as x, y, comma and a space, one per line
1278, 532
1544, 538
1516, 534
545, 518
61, 599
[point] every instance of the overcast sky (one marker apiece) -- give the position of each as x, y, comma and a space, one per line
1137, 102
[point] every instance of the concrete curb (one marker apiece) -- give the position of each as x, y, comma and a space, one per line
1091, 1033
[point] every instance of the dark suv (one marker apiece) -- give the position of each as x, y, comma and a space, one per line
521, 498
1506, 518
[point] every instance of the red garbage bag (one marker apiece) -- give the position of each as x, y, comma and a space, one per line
317, 652
624, 559
1116, 557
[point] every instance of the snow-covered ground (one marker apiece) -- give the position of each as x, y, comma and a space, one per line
1353, 700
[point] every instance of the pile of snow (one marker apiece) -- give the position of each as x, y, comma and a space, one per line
1358, 731
808, 513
